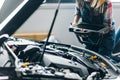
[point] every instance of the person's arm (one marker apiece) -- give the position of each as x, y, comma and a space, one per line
108, 15
76, 20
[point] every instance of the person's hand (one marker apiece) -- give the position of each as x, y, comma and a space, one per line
82, 30
74, 24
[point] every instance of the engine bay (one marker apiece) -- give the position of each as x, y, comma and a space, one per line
59, 61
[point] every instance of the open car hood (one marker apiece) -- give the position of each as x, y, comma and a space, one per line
13, 19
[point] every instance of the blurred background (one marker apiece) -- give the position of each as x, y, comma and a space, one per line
38, 25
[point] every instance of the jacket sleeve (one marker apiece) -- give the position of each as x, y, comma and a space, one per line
108, 15
78, 7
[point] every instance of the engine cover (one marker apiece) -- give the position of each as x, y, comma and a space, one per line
60, 62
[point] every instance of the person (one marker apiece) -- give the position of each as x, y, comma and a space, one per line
97, 12
117, 36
